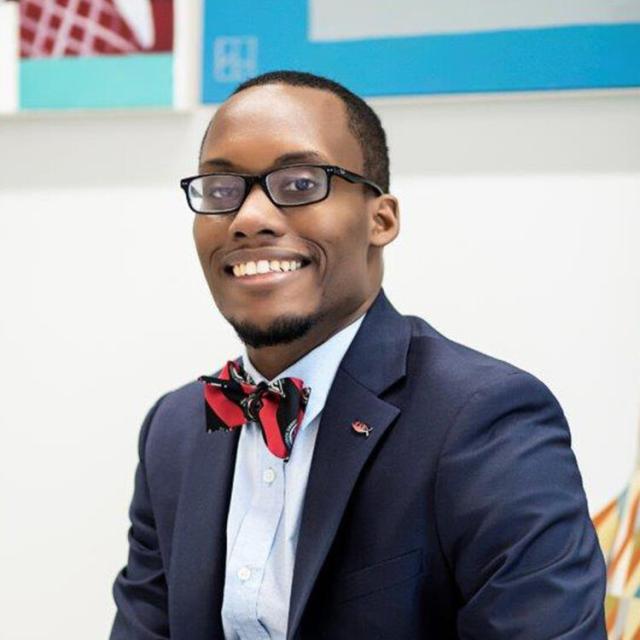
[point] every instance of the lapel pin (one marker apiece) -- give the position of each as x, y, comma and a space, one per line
361, 427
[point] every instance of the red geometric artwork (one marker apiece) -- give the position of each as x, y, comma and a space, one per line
55, 28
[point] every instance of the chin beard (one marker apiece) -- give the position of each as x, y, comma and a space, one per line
282, 330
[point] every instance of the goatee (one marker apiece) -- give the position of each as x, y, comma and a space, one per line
282, 330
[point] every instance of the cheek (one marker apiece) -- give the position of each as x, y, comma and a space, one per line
343, 234
208, 234
349, 232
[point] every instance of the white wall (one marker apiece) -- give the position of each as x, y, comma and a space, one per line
8, 57
520, 226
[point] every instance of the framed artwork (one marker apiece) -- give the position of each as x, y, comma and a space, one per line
413, 47
84, 54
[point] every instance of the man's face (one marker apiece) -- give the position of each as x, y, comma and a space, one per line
337, 240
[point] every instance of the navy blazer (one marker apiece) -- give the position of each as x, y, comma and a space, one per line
462, 514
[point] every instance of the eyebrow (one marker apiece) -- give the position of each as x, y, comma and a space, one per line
284, 159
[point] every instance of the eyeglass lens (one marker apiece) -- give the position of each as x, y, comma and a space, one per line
289, 186
297, 185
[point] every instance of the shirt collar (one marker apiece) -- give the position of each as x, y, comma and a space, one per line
317, 368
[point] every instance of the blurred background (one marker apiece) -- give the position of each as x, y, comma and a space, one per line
515, 152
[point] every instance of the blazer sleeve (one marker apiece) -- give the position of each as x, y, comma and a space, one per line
140, 589
513, 521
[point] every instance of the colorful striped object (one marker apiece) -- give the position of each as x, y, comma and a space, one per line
618, 531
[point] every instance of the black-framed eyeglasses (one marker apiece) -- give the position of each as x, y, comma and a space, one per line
291, 186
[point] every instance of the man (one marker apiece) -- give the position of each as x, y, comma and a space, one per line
430, 492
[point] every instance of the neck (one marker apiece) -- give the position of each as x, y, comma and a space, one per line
271, 361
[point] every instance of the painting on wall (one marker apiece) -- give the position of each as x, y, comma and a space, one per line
414, 47
83, 54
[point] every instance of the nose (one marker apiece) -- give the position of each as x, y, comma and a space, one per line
257, 216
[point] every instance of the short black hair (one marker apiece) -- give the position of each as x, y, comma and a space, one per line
362, 120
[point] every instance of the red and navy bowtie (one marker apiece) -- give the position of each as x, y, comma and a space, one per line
277, 407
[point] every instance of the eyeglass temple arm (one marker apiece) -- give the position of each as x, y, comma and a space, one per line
355, 178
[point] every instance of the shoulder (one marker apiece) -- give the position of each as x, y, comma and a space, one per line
181, 404
170, 428
176, 412
453, 377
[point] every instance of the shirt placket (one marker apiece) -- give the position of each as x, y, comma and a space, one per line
254, 544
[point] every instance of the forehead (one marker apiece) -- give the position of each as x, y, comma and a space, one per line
258, 125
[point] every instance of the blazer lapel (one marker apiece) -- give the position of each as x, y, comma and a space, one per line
375, 360
199, 545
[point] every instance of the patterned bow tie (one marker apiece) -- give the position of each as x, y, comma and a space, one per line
277, 407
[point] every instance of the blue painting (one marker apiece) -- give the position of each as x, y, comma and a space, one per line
417, 47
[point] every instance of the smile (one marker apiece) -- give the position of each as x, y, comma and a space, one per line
266, 279
252, 268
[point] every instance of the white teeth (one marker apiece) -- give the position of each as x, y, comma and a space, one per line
265, 266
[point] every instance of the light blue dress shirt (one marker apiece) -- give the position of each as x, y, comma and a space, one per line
266, 505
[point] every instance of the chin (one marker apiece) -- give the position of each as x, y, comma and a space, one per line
282, 329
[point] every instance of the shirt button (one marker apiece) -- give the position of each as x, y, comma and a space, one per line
268, 475
244, 573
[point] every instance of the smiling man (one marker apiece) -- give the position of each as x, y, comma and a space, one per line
354, 473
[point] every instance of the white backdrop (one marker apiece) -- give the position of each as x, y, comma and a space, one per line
520, 228
8, 49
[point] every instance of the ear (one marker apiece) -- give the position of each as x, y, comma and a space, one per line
385, 220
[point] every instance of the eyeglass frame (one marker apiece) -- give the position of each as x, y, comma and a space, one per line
261, 179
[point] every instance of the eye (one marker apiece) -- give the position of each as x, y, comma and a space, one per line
300, 184
223, 192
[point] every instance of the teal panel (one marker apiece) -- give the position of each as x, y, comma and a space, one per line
97, 82
244, 38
